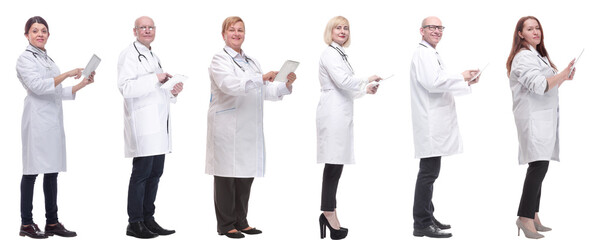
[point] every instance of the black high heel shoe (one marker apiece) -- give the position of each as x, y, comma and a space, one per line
335, 234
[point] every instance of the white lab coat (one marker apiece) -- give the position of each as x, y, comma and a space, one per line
146, 105
432, 90
235, 140
42, 130
535, 111
339, 88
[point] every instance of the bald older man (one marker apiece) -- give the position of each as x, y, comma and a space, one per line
435, 126
147, 126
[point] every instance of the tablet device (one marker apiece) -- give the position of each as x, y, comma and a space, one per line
576, 60
479, 73
288, 67
388, 77
91, 66
177, 78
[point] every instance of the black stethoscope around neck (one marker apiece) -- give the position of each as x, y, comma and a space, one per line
344, 56
140, 56
240, 66
438, 60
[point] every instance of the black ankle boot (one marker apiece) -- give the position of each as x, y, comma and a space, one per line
155, 228
139, 230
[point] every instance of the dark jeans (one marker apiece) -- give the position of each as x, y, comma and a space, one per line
143, 186
331, 178
429, 170
532, 189
50, 192
231, 203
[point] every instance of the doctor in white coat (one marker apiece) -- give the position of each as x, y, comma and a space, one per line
534, 84
435, 125
335, 127
235, 150
42, 130
147, 126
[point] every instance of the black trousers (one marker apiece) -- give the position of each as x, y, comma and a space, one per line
143, 186
532, 189
231, 203
331, 178
429, 170
50, 195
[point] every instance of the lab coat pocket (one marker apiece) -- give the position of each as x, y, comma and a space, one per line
441, 121
542, 129
224, 125
47, 114
146, 120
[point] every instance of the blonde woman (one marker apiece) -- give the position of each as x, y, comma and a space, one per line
335, 140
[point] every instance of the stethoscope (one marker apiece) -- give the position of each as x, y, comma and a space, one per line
344, 56
240, 66
541, 58
435, 53
36, 56
140, 56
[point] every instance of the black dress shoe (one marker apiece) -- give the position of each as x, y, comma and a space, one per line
236, 234
440, 225
32, 231
59, 230
139, 230
432, 231
252, 231
155, 228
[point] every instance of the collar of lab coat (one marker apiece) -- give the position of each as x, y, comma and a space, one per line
141, 47
235, 54
545, 59
428, 45
336, 45
532, 49
38, 51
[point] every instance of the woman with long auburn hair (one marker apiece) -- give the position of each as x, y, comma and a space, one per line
534, 82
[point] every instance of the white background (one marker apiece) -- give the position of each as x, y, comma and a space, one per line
477, 191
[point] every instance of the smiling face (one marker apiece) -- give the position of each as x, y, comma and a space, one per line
234, 36
531, 33
340, 33
432, 37
144, 30
38, 35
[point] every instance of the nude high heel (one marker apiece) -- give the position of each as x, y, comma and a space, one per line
528, 234
541, 228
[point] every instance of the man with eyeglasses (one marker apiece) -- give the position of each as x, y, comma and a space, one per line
435, 126
147, 126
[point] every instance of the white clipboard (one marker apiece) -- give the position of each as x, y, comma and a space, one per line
91, 66
288, 67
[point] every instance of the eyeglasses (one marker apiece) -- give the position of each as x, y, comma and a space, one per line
434, 27
144, 28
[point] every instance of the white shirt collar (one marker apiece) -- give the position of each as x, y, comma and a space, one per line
141, 46
233, 53
37, 51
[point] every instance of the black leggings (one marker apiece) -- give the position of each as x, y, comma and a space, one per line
331, 178
50, 190
532, 189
